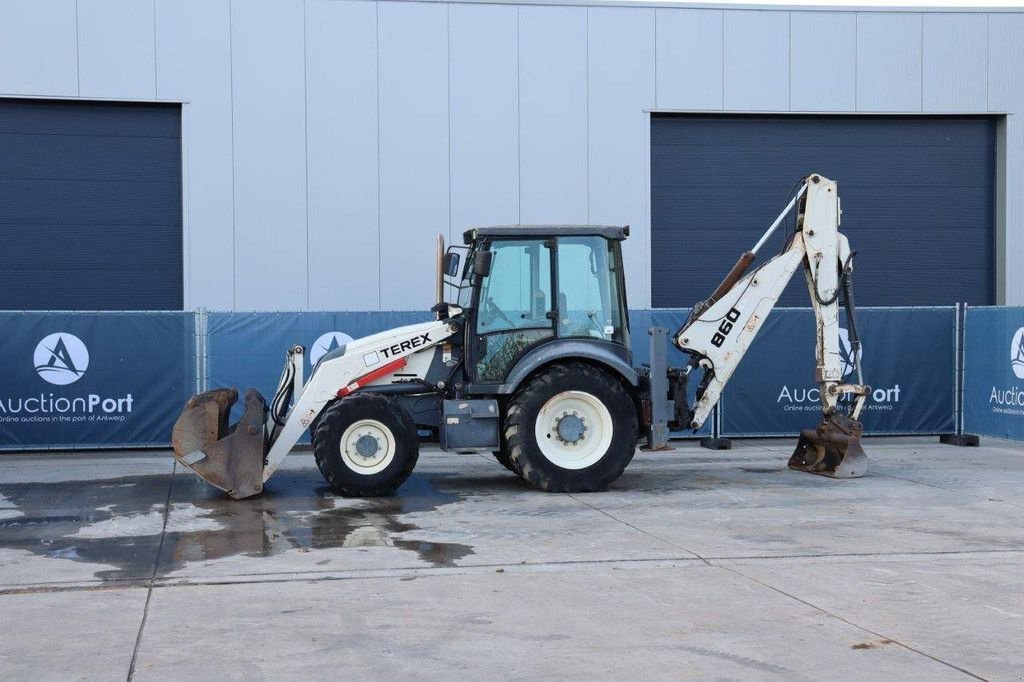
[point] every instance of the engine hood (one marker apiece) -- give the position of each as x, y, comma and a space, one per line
373, 342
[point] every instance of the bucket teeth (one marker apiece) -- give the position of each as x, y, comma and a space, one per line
228, 457
832, 449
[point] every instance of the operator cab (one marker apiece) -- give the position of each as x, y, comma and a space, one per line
523, 286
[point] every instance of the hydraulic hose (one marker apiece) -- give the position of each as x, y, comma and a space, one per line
851, 323
843, 275
279, 407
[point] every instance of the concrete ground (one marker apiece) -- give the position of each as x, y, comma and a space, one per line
696, 564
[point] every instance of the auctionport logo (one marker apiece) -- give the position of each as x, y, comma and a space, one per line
1010, 400
808, 399
61, 358
1017, 354
325, 344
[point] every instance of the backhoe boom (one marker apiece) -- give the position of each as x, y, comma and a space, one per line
720, 330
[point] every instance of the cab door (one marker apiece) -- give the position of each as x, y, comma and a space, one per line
514, 307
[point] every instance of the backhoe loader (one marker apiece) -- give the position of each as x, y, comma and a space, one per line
531, 360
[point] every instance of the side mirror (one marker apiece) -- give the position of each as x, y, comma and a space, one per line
482, 263
450, 264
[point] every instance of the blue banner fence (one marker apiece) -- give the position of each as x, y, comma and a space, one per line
908, 358
73, 380
76, 380
993, 372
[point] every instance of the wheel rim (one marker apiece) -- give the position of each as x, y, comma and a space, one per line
573, 430
367, 447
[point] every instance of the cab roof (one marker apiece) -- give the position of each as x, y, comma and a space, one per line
511, 231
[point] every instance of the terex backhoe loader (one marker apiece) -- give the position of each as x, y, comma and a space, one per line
532, 362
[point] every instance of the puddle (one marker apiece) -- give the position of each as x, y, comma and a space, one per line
118, 522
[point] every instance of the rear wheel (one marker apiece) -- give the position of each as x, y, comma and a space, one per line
502, 456
365, 445
571, 428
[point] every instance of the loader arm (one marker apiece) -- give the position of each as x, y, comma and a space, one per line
365, 362
720, 330
240, 459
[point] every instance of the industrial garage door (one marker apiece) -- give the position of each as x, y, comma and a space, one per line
90, 206
917, 197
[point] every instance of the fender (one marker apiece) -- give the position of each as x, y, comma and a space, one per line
609, 355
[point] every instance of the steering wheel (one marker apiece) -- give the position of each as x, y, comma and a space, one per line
494, 311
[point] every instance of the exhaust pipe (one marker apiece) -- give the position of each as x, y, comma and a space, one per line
227, 457
439, 267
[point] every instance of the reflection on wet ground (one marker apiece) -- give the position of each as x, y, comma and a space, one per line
119, 522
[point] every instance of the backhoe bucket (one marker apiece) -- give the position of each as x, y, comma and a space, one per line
833, 449
230, 458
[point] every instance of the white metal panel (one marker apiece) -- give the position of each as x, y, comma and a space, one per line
1013, 237
341, 119
689, 58
38, 52
824, 61
621, 87
1006, 94
553, 114
756, 62
888, 62
270, 159
116, 51
955, 50
414, 187
1006, 62
194, 65
484, 116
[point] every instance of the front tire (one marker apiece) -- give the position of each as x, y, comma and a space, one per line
365, 445
571, 428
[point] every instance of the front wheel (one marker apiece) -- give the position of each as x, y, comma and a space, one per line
571, 428
365, 445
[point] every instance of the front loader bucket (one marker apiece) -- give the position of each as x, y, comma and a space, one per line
230, 458
832, 449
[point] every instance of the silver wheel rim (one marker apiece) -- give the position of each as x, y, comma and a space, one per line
367, 447
573, 430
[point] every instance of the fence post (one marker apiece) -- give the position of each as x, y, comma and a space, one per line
197, 345
204, 354
959, 438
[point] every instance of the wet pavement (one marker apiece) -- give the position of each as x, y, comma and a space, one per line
124, 521
696, 563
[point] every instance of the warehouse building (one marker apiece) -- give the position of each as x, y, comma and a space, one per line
301, 155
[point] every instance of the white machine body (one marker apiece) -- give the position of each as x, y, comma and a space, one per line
240, 458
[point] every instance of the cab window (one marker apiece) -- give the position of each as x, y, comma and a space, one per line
589, 300
517, 292
513, 306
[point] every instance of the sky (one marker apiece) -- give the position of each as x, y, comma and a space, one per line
864, 3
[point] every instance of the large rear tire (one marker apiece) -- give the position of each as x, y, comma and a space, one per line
571, 428
504, 459
365, 445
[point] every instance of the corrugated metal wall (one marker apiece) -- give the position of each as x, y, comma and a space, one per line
325, 141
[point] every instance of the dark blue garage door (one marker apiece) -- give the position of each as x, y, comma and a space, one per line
90, 206
917, 197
